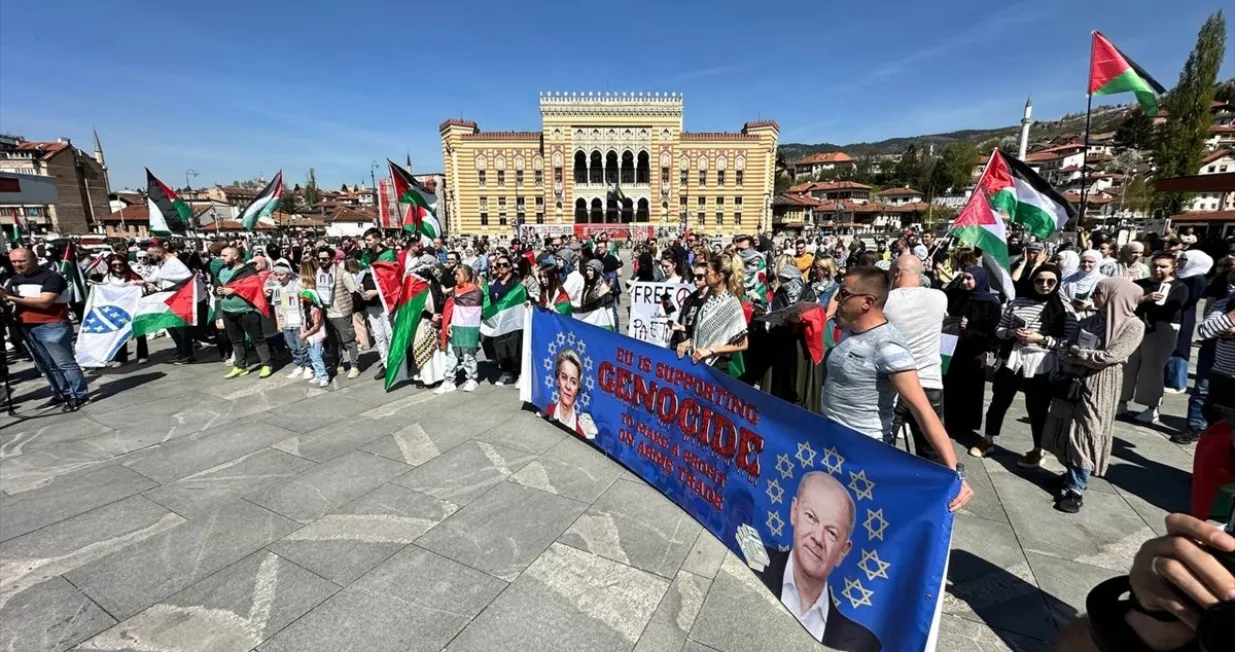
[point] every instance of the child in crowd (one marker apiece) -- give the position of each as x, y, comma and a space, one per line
313, 333
285, 297
461, 330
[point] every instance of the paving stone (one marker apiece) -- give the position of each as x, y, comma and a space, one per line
308, 496
37, 434
989, 580
414, 602
309, 415
136, 577
706, 556
203, 492
345, 544
525, 432
203, 450
465, 472
634, 524
39, 469
671, 623
59, 549
960, 634
233, 610
331, 441
568, 601
177, 415
504, 530
572, 469
1066, 583
68, 495
740, 614
50, 617
412, 444
692, 646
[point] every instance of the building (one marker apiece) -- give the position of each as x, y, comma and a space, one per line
816, 164
900, 196
232, 196
834, 190
1058, 164
1220, 162
1221, 137
1207, 225
80, 181
127, 222
718, 183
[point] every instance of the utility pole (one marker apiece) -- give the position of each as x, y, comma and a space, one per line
188, 185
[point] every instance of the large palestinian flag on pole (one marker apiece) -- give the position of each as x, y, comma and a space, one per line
421, 215
978, 226
1111, 72
403, 295
1020, 195
262, 206
168, 214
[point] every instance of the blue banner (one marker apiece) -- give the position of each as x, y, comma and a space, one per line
850, 533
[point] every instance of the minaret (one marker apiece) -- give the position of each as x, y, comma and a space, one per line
1025, 122
98, 150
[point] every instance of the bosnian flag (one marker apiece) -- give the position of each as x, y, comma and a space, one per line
421, 216
168, 213
262, 206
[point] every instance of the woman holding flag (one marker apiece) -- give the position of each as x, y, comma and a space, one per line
120, 274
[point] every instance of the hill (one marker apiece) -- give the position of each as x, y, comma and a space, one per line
1104, 119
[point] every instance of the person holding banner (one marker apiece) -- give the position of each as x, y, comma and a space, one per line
721, 327
552, 295
119, 273
595, 297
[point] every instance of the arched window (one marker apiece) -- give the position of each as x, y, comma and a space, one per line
611, 167
641, 212
628, 211
580, 167
595, 168
628, 167
596, 217
580, 211
642, 168
611, 211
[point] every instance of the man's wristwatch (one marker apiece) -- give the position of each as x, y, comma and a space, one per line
960, 470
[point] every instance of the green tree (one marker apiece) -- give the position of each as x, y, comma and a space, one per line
1181, 139
783, 181
289, 203
311, 196
1136, 131
1137, 195
909, 168
955, 167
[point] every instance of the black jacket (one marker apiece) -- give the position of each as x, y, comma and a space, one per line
840, 633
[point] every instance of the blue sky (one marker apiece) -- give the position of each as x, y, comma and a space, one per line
234, 89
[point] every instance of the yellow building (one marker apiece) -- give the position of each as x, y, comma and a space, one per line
593, 143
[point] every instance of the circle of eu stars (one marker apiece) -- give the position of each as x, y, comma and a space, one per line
562, 342
106, 319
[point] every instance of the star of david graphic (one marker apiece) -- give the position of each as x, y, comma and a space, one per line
832, 461
875, 525
861, 487
589, 382
560, 339
548, 364
548, 381
856, 594
775, 524
586, 400
775, 493
806, 454
873, 566
587, 363
570, 338
784, 465
552, 348
582, 346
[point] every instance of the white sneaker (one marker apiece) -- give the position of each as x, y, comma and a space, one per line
353, 373
142, 361
469, 386
308, 374
1150, 415
297, 372
499, 382
446, 388
324, 382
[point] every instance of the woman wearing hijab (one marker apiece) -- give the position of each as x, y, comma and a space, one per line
119, 273
1079, 432
778, 358
977, 309
596, 300
1031, 328
1193, 268
1068, 262
1078, 287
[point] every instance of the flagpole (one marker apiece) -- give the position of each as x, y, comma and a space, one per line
1085, 153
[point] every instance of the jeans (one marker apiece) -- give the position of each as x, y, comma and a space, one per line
903, 415
51, 346
453, 355
1077, 479
143, 351
379, 328
315, 357
298, 347
1200, 390
239, 324
1037, 392
1221, 394
342, 336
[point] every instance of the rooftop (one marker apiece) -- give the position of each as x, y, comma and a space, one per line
825, 157
898, 192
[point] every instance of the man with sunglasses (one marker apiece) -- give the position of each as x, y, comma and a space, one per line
872, 367
335, 287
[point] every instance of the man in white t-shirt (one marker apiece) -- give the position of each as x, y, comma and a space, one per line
918, 313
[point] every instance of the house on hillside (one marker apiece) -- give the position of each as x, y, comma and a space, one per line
816, 164
1220, 162
834, 190
900, 196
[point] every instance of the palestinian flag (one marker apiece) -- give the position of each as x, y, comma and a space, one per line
367, 259
421, 216
312, 297
506, 314
978, 226
250, 285
408, 304
463, 312
947, 347
73, 277
175, 307
561, 305
1111, 72
262, 206
1023, 197
168, 214
15, 234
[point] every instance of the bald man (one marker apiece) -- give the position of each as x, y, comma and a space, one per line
822, 516
918, 311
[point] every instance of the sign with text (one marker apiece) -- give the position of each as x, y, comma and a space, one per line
652, 307
851, 534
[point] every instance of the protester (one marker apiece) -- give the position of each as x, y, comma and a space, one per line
552, 295
595, 299
918, 311
427, 354
461, 332
1219, 325
313, 334
240, 318
334, 287
507, 348
720, 330
1069, 262
289, 315
1195, 264
645, 268
1160, 308
688, 312
170, 271
823, 278
530, 281
872, 367
755, 272
36, 296
669, 267
374, 308
801, 257
1077, 287
119, 273
1031, 328
976, 311
1082, 415
1130, 265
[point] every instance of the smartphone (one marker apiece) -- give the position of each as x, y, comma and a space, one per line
1018, 322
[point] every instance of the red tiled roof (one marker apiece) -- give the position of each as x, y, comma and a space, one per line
915, 207
801, 187
830, 185
1215, 156
1071, 168
1091, 198
46, 148
134, 213
825, 157
456, 122
795, 200
898, 192
755, 124
504, 135
1208, 216
346, 214
1222, 129
232, 225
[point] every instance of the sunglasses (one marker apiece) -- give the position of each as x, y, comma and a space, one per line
1045, 282
700, 277
845, 295
501, 265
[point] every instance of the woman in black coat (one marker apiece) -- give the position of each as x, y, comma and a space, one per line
973, 314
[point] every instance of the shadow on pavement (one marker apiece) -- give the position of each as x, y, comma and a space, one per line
1010, 606
1161, 485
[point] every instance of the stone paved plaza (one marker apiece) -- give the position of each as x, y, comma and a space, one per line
180, 512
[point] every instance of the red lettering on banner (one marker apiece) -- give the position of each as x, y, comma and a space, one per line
606, 376
700, 487
724, 437
645, 394
749, 447
666, 405
655, 456
623, 384
688, 418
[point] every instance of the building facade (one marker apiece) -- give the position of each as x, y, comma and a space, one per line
605, 162
80, 180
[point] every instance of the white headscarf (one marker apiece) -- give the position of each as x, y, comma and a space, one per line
1080, 283
1069, 262
1196, 263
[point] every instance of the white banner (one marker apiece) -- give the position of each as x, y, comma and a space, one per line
652, 307
107, 323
